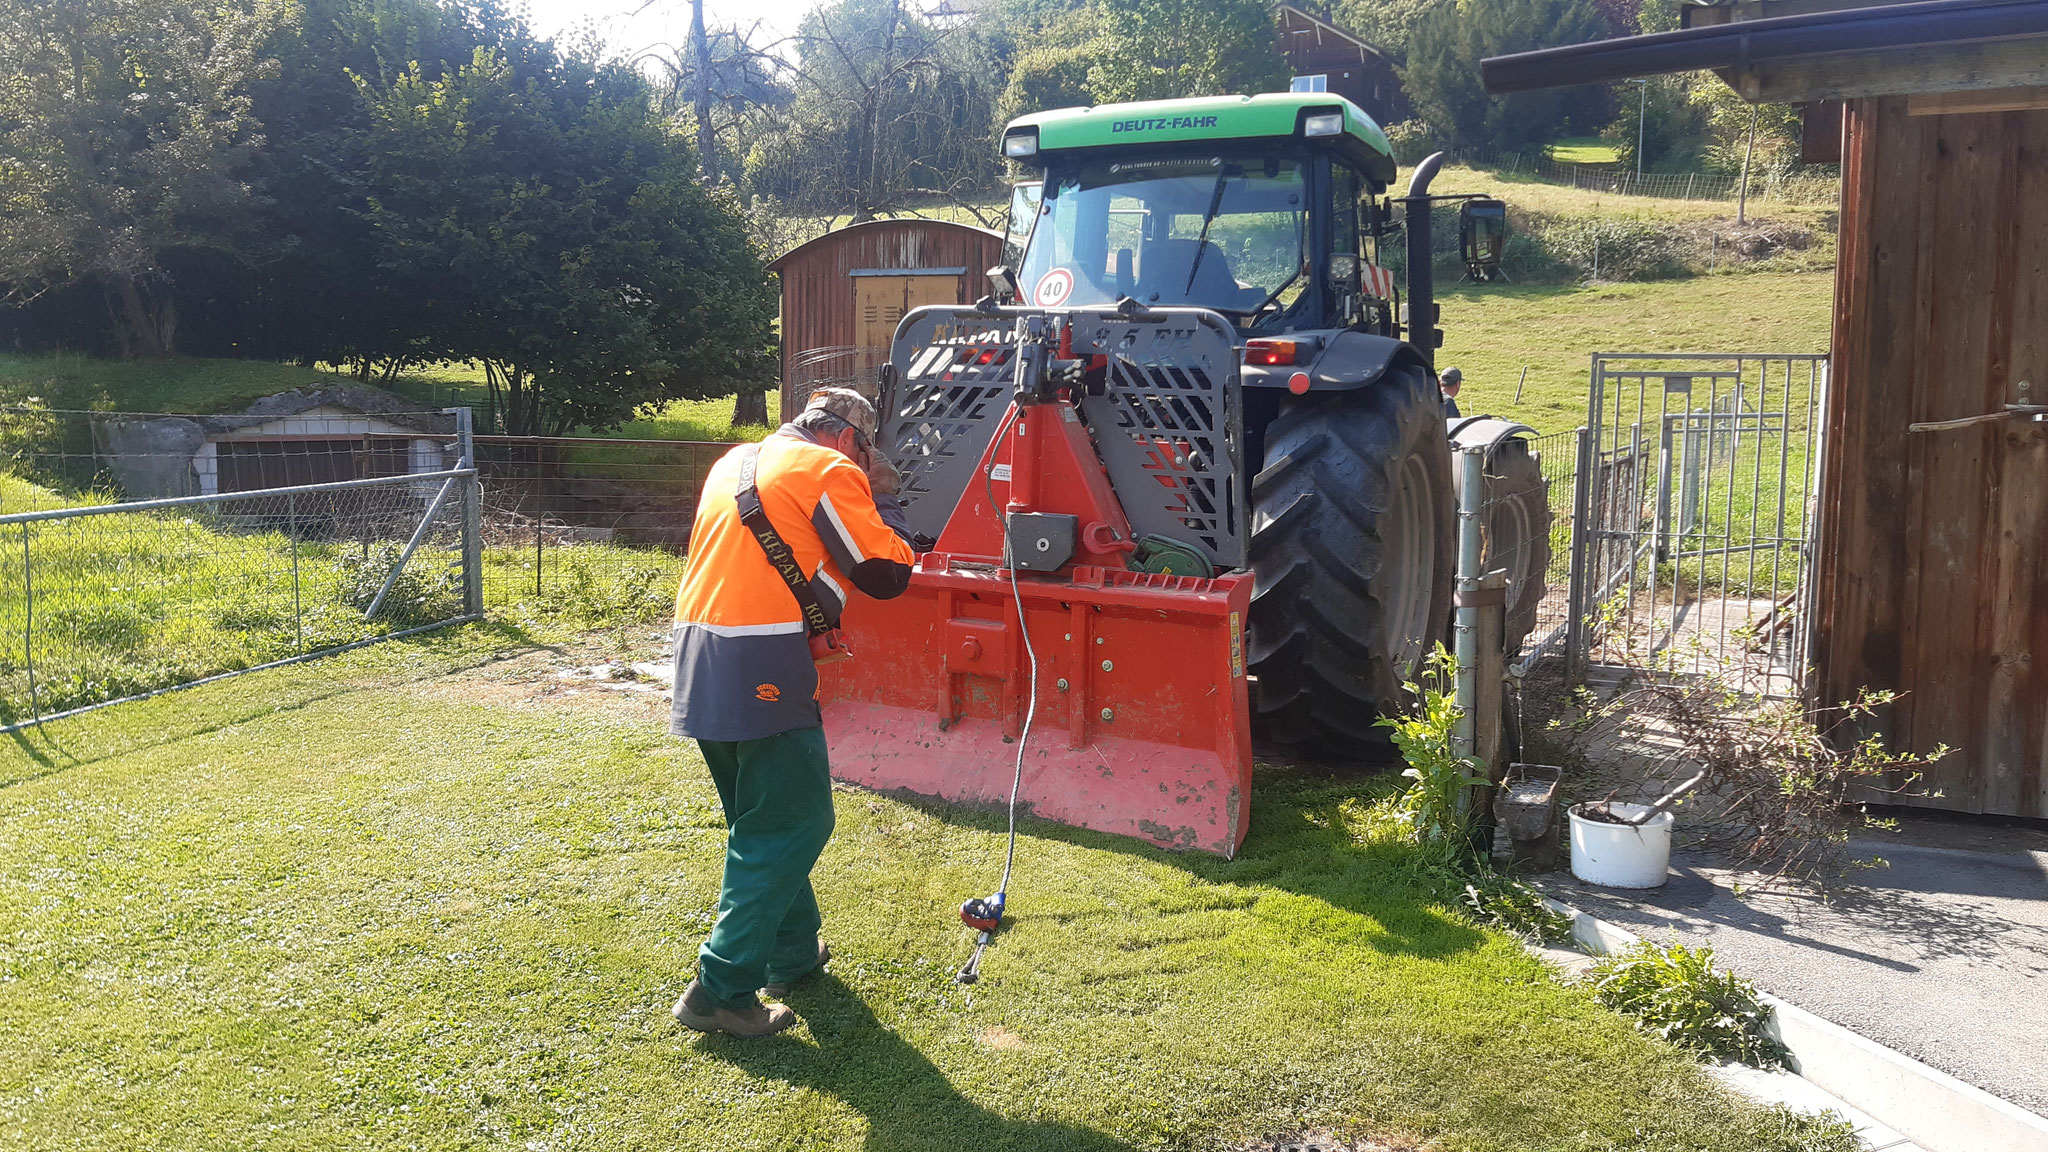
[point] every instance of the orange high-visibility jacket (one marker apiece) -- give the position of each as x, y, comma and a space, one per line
743, 660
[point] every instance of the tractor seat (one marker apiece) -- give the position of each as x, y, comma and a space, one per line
1166, 273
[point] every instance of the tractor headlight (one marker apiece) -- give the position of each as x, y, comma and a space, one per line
1021, 145
1323, 124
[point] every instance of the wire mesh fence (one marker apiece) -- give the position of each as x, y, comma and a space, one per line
106, 602
841, 366
1539, 607
1774, 187
1700, 517
144, 551
587, 526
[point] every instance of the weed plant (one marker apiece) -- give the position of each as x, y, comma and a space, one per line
1675, 993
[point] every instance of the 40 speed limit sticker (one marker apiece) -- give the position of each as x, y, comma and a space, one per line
1053, 288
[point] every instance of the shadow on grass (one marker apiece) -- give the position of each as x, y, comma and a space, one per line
909, 1104
1301, 841
41, 745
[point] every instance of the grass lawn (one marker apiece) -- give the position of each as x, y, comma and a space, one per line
1583, 150
425, 896
1492, 331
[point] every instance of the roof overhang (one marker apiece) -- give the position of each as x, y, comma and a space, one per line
1795, 51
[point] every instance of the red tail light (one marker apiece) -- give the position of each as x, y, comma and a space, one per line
1270, 353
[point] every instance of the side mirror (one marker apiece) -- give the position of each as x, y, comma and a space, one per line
1482, 236
1005, 283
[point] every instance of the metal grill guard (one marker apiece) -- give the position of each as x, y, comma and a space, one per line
1166, 423
1141, 723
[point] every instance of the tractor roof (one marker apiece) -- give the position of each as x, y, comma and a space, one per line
1268, 116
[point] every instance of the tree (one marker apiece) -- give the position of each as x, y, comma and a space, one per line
890, 110
1671, 129
125, 137
1161, 49
1728, 118
1384, 23
1446, 44
553, 227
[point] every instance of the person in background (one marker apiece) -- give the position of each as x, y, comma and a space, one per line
1447, 384
821, 499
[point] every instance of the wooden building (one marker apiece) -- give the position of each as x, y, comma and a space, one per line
1326, 58
843, 293
1932, 566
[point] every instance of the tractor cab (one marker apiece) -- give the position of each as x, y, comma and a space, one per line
1263, 209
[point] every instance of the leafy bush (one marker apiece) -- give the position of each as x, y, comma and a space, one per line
1413, 140
1675, 992
1612, 248
422, 594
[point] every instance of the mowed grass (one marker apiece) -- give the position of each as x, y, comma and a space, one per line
388, 901
1583, 150
1492, 331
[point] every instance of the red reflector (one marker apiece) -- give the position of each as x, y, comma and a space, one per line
1269, 352
1298, 383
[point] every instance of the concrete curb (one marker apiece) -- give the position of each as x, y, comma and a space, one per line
1936, 1110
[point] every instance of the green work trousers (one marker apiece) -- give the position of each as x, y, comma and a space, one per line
777, 794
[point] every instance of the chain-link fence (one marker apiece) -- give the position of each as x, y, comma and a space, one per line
142, 552
113, 600
590, 527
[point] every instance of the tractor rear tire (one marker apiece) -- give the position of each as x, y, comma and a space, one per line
1517, 534
1352, 547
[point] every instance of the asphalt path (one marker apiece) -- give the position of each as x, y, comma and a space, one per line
1943, 955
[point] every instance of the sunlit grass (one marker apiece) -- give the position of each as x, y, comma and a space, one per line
1584, 150
387, 902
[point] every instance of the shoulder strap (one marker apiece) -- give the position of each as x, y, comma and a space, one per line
780, 556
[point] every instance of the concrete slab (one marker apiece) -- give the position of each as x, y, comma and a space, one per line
1942, 956
1802, 1095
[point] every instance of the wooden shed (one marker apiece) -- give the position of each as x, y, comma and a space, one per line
1932, 566
1326, 58
843, 293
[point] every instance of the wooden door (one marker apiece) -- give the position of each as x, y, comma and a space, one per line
880, 301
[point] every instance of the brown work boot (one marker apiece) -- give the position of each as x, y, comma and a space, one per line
698, 1010
780, 988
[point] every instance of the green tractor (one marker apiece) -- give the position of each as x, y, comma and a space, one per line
1273, 210
1185, 473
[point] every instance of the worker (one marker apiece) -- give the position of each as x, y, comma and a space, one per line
746, 683
1447, 384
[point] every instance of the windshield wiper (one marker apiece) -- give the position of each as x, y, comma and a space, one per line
1202, 241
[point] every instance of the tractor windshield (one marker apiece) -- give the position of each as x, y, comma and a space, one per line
1221, 232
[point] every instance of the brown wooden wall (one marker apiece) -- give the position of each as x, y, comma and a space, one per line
1933, 560
1357, 71
818, 304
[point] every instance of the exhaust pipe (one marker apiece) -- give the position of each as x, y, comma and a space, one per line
1422, 332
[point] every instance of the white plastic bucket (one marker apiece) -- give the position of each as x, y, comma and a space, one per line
1621, 855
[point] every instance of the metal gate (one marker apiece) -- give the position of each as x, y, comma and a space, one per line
1696, 518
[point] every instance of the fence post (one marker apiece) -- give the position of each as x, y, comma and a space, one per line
1490, 673
28, 626
1471, 500
291, 516
472, 513
1582, 551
